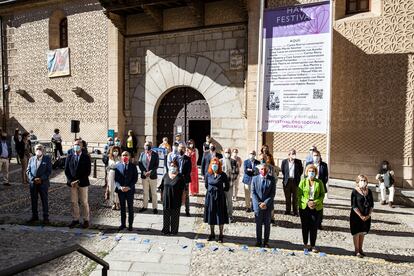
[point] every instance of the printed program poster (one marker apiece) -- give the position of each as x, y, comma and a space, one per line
297, 68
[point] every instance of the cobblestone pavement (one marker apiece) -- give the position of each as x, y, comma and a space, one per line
389, 245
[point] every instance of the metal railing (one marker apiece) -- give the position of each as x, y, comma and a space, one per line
54, 255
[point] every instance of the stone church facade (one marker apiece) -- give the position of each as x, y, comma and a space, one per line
163, 67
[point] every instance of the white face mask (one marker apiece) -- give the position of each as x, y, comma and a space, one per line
251, 156
115, 153
39, 153
316, 159
362, 184
227, 155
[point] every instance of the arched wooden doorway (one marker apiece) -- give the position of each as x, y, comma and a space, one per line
184, 110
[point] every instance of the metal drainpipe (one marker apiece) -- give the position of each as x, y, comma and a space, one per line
3, 72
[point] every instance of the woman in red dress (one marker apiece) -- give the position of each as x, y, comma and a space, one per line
192, 152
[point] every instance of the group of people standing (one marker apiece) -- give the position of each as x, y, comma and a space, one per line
304, 189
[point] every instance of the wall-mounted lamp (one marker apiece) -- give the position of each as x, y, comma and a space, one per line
53, 95
78, 91
25, 95
82, 94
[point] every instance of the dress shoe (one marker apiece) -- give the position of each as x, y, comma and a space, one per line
187, 214
85, 224
142, 210
74, 223
391, 204
266, 245
220, 239
32, 220
130, 228
122, 227
383, 202
258, 244
155, 211
248, 210
211, 237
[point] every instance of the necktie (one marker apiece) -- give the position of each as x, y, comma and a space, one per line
125, 169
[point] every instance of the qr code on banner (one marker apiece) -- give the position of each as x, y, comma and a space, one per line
317, 94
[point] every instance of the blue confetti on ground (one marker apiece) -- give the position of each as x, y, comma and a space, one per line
199, 245
146, 241
322, 254
244, 247
104, 237
214, 248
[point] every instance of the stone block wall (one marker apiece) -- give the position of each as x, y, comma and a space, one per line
199, 59
27, 42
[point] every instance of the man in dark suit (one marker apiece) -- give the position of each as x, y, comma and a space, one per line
292, 170
77, 171
38, 172
148, 164
323, 175
184, 168
5, 155
263, 193
250, 170
207, 158
126, 175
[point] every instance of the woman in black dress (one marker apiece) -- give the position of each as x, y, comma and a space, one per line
215, 210
172, 194
362, 204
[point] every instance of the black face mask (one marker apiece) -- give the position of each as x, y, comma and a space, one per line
212, 148
181, 152
148, 147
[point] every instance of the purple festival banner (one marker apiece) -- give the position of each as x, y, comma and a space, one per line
297, 20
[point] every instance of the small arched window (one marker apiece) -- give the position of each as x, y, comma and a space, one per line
63, 33
58, 30
356, 6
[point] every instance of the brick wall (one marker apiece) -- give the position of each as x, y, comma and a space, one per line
28, 41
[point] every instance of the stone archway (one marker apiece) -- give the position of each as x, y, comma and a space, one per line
199, 73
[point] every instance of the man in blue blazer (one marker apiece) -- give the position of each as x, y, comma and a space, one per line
77, 171
250, 170
184, 168
148, 164
292, 170
263, 194
323, 175
38, 172
126, 176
